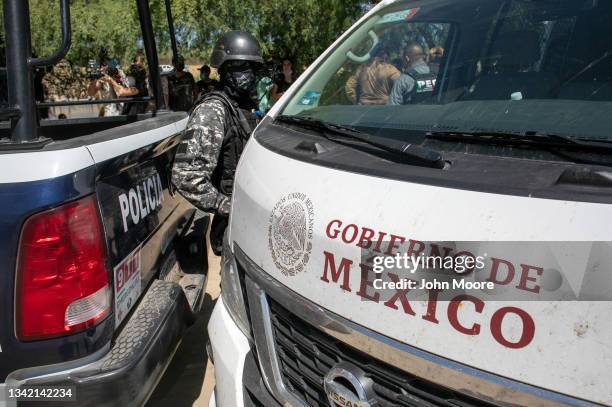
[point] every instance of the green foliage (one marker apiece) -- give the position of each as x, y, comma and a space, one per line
95, 24
303, 29
299, 29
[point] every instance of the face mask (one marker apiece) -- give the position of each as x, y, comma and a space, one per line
243, 81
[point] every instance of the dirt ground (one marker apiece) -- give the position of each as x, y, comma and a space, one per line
190, 378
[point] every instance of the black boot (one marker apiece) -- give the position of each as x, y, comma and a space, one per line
217, 230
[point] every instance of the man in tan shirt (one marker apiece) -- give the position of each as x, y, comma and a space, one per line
372, 83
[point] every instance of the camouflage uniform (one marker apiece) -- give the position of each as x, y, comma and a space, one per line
64, 83
217, 132
198, 156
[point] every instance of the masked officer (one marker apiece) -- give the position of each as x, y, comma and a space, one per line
182, 87
218, 130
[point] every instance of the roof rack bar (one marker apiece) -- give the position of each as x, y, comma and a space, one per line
20, 84
9, 113
151, 50
171, 31
64, 45
43, 105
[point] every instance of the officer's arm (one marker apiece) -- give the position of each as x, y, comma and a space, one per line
396, 97
197, 158
402, 88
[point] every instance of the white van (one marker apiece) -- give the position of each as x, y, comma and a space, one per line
499, 151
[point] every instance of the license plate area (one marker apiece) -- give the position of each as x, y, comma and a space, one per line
127, 284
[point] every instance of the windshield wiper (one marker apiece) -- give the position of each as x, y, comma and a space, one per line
527, 139
563, 146
407, 152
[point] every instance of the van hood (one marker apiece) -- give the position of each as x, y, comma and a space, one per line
305, 225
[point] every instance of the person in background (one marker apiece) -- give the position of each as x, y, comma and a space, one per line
112, 84
372, 82
182, 87
111, 65
218, 129
137, 78
165, 76
417, 83
435, 58
205, 84
284, 80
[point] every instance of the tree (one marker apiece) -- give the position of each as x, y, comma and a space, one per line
95, 24
299, 29
302, 30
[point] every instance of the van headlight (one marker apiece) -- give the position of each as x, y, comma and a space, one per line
232, 289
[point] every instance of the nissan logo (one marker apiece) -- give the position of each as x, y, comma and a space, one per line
346, 385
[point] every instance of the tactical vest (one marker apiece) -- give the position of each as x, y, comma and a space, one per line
134, 108
423, 89
237, 132
181, 92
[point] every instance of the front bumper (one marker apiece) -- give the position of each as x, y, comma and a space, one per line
237, 375
230, 347
127, 374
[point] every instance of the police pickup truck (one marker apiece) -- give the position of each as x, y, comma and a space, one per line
102, 261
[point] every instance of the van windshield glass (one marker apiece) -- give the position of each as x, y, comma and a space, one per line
501, 66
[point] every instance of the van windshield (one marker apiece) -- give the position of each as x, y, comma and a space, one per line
502, 66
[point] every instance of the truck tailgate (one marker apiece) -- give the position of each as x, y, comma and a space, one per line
138, 206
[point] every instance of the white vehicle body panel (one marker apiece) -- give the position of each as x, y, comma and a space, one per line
230, 348
571, 351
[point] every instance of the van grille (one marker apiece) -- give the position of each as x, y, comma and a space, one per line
306, 354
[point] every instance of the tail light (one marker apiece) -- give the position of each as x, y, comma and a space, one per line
62, 281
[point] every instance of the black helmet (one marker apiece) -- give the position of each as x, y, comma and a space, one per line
236, 46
